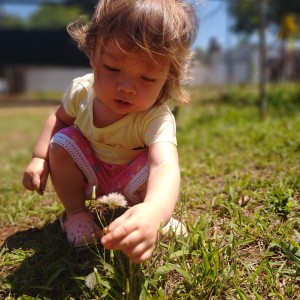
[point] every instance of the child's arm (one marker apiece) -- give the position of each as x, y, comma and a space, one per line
136, 231
36, 173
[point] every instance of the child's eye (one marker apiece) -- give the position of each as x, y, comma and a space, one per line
111, 68
147, 79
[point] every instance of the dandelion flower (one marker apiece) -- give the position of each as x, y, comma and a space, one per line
91, 280
113, 200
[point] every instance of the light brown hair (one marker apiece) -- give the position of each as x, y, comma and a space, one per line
157, 29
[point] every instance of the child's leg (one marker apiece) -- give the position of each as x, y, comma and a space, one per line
68, 180
73, 167
70, 171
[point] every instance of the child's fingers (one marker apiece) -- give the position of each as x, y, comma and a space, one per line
116, 233
137, 250
43, 181
27, 182
141, 257
132, 242
113, 237
36, 182
116, 223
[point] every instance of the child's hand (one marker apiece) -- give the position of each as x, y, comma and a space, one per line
36, 175
135, 233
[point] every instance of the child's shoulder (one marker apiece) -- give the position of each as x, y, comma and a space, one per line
85, 81
162, 112
80, 91
158, 110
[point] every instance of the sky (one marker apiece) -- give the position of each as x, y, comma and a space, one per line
214, 21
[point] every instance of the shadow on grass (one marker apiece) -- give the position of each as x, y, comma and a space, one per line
40, 263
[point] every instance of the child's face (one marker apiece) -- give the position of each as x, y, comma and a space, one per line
126, 83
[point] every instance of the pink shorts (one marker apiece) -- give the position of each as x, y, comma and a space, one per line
108, 178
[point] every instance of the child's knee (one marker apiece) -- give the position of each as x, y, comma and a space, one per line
57, 152
140, 194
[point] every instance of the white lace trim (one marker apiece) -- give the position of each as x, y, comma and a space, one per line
137, 180
69, 145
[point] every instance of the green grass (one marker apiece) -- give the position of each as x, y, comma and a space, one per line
240, 196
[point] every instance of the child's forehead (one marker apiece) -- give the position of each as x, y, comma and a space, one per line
120, 51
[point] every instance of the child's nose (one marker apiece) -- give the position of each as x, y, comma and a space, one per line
126, 85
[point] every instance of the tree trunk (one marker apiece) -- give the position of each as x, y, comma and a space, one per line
262, 53
14, 76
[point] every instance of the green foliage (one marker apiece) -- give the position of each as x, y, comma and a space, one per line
281, 98
246, 14
284, 97
53, 16
239, 198
46, 17
10, 21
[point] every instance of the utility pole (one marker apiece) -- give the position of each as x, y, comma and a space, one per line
263, 61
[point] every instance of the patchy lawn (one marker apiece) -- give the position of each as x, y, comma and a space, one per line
239, 198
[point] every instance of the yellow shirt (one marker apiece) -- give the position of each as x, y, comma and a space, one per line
122, 141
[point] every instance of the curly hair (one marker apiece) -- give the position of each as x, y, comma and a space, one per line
159, 30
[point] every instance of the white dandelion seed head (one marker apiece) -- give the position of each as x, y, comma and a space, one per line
113, 200
91, 281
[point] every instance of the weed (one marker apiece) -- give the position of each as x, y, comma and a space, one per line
239, 199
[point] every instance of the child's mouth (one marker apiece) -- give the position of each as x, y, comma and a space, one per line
122, 102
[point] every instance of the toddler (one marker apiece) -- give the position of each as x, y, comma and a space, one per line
114, 130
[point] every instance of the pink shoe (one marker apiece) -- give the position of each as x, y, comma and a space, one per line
81, 229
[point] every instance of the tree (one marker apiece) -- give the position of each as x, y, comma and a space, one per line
50, 18
88, 6
245, 13
250, 16
9, 21
53, 16
262, 50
